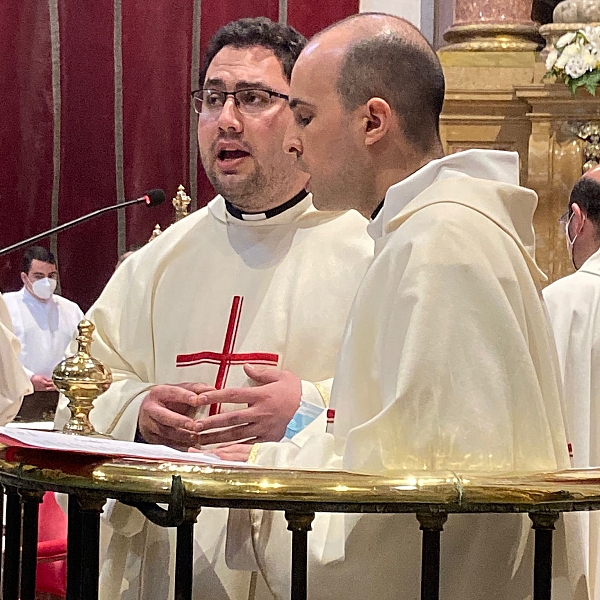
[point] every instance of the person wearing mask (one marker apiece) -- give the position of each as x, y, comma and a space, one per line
43, 321
574, 305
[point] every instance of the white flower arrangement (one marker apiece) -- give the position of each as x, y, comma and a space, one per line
575, 59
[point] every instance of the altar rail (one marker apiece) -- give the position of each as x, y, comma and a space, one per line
301, 494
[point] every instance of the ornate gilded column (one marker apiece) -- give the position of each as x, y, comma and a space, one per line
493, 47
556, 157
497, 25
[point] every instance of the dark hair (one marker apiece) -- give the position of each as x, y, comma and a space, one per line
36, 253
404, 74
285, 42
586, 193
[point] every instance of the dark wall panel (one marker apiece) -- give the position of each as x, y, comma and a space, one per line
111, 146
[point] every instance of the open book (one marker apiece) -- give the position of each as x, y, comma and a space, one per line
103, 447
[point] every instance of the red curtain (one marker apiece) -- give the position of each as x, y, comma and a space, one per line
26, 128
108, 119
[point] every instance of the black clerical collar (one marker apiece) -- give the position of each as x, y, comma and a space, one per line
377, 210
234, 211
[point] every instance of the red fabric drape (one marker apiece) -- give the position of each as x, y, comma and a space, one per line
87, 152
26, 128
309, 17
156, 85
155, 40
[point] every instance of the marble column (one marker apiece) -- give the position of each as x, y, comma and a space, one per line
492, 11
497, 25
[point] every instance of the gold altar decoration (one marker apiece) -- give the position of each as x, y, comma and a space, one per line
181, 203
81, 378
496, 98
155, 232
590, 134
557, 155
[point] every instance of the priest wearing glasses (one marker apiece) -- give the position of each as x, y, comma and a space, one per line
248, 295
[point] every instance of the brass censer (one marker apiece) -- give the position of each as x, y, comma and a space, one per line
82, 378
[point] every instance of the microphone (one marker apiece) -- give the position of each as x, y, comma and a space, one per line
151, 198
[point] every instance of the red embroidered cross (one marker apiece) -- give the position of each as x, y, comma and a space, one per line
226, 358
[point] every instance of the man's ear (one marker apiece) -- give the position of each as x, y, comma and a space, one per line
377, 120
24, 277
579, 217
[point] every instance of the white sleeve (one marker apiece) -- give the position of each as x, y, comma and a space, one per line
317, 452
311, 416
14, 382
317, 393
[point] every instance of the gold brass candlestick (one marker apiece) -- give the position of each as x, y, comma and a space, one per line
155, 232
81, 378
181, 203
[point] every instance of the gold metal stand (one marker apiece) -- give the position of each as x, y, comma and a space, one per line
187, 487
81, 378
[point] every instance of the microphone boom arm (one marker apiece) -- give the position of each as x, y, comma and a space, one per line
41, 236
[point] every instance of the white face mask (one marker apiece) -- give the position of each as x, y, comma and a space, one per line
570, 242
44, 288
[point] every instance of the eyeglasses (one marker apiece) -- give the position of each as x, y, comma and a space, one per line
565, 218
248, 102
563, 222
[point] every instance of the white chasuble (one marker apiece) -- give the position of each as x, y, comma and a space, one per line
574, 307
447, 363
14, 382
45, 329
212, 293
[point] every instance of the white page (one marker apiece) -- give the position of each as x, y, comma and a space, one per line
39, 425
107, 447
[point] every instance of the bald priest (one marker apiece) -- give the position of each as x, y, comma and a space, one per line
448, 360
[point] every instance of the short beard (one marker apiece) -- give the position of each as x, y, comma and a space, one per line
244, 194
